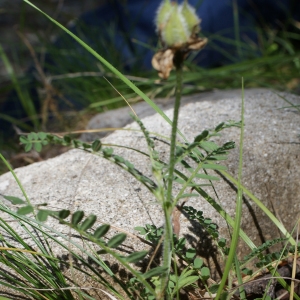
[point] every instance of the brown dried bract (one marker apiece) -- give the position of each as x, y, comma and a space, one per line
197, 43
163, 60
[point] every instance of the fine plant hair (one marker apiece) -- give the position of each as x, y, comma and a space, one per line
35, 271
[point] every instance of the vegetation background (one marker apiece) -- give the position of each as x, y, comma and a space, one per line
277, 68
25, 33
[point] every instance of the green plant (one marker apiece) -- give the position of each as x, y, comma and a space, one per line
171, 277
210, 153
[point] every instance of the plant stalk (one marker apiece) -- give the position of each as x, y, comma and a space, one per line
238, 211
178, 63
168, 204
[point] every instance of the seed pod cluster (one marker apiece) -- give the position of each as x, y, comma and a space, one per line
177, 26
176, 23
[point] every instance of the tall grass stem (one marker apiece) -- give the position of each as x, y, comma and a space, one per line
238, 211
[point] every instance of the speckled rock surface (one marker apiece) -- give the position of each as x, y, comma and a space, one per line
121, 117
77, 180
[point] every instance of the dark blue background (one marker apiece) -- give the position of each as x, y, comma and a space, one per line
134, 19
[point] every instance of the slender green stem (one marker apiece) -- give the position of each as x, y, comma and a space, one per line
167, 253
15, 177
238, 211
174, 131
239, 278
167, 205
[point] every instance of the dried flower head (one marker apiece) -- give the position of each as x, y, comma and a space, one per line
178, 28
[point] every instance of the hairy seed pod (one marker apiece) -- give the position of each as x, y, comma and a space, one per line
175, 32
190, 17
162, 14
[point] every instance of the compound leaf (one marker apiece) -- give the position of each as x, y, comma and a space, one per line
116, 241
101, 231
77, 217
154, 272
206, 176
43, 214
205, 272
187, 281
213, 167
25, 210
14, 200
28, 147
136, 256
88, 222
64, 213
37, 147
